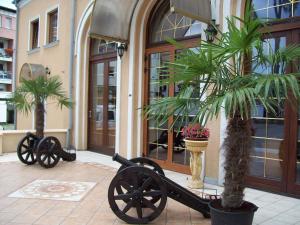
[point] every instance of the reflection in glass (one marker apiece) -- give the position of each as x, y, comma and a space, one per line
256, 167
258, 149
275, 9
166, 24
98, 75
157, 140
273, 169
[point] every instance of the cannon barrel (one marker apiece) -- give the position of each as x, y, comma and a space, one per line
122, 160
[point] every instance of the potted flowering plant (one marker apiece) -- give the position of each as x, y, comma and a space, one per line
195, 132
196, 141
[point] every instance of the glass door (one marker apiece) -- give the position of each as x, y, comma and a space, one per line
102, 106
163, 145
268, 157
275, 157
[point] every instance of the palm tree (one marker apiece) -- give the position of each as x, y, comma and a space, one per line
233, 75
33, 93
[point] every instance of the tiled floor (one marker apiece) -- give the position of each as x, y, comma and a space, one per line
94, 207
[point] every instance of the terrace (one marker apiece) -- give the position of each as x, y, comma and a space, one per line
32, 196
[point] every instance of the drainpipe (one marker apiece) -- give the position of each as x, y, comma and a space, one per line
16, 43
71, 70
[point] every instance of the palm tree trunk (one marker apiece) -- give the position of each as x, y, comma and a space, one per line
237, 146
39, 119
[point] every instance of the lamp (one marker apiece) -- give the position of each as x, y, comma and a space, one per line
47, 70
211, 31
121, 49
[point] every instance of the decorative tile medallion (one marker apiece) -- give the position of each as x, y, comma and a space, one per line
54, 190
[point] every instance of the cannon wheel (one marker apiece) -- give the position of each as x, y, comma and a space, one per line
145, 162
26, 150
137, 182
48, 152
148, 163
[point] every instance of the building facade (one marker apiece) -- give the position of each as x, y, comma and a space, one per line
7, 40
109, 92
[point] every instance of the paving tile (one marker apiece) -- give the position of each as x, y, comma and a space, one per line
94, 208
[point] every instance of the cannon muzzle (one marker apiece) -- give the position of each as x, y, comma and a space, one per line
122, 160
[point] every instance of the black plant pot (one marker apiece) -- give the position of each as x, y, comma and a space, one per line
241, 216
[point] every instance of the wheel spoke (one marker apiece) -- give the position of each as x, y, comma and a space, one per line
25, 146
139, 210
52, 146
146, 183
25, 152
152, 193
44, 158
149, 204
125, 185
123, 197
127, 207
27, 156
31, 156
53, 157
49, 160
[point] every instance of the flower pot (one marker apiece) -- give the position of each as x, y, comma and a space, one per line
241, 216
196, 148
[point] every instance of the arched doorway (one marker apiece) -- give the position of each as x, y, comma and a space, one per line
102, 97
161, 144
275, 159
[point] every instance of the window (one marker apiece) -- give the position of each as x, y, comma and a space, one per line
0, 21
165, 24
1, 45
52, 26
34, 34
2, 87
275, 9
8, 22
1, 67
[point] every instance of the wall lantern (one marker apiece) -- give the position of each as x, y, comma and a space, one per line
121, 49
211, 31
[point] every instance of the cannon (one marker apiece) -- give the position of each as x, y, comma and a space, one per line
46, 151
138, 193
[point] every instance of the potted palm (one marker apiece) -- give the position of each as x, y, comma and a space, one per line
33, 93
196, 141
234, 75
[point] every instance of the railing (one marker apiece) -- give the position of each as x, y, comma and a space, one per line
5, 75
6, 53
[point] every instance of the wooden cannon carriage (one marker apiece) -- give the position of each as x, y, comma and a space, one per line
46, 151
139, 191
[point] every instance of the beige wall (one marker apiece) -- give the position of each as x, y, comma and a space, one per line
56, 57
9, 140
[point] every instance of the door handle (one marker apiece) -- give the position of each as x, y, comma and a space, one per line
90, 114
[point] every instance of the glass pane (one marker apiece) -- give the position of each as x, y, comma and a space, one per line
112, 94
166, 24
157, 140
102, 47
98, 75
180, 154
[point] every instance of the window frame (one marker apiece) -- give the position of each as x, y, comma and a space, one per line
8, 25
30, 33
48, 12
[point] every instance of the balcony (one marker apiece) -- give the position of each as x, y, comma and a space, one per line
5, 77
6, 54
5, 95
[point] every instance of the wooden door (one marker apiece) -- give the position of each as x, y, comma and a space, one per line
275, 158
102, 106
161, 144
